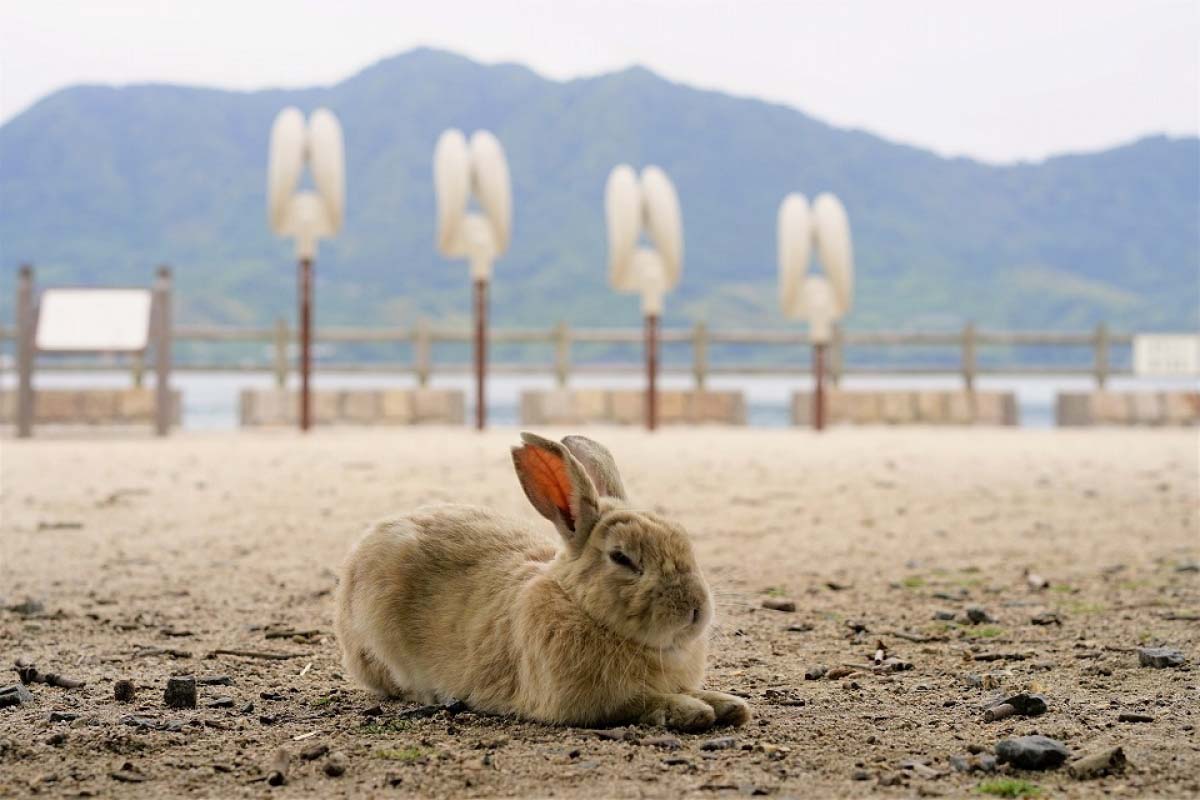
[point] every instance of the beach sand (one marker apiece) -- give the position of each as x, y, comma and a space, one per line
203, 541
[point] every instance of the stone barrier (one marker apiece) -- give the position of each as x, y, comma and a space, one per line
1077, 409
131, 406
260, 407
627, 407
909, 408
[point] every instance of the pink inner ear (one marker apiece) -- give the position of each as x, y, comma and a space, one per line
547, 472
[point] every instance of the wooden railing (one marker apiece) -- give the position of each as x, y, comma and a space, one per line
964, 347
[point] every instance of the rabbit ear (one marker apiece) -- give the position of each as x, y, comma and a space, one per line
557, 486
599, 464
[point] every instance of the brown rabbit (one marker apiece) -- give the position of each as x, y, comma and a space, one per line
608, 627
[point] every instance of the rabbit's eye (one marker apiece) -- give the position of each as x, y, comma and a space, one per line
625, 561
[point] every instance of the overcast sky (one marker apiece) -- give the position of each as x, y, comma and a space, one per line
999, 81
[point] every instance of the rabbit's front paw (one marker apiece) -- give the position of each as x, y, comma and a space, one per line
729, 710
679, 712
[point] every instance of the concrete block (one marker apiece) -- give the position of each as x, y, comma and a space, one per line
1073, 409
99, 406
591, 405
960, 408
438, 407
361, 406
672, 407
1181, 408
1111, 408
136, 405
56, 405
897, 408
726, 408
1146, 408
863, 408
931, 407
627, 407
395, 406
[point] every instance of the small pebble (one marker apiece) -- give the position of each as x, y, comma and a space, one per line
1160, 657
1135, 718
335, 766
180, 692
124, 691
1032, 752
665, 742
779, 604
313, 752
15, 695
815, 673
720, 743
977, 615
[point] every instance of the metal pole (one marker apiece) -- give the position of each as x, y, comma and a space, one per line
25, 352
651, 371
819, 386
162, 353
480, 353
306, 275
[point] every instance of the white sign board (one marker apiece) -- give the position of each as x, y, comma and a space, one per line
94, 320
1166, 354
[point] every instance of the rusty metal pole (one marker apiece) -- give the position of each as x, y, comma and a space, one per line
651, 371
306, 277
480, 353
819, 386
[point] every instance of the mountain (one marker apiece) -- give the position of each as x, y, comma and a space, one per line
98, 184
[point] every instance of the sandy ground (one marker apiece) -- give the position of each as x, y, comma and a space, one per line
201, 542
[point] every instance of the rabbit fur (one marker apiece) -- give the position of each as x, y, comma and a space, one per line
605, 624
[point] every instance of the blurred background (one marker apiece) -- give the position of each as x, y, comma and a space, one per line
1018, 166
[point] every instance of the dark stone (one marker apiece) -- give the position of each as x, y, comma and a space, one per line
220, 702
944, 616
335, 767
313, 752
1032, 752
978, 615
215, 680
665, 742
815, 673
15, 695
1135, 718
1160, 657
28, 607
1047, 618
720, 743
779, 604
271, 696
62, 716
180, 692
124, 691
1025, 704
373, 711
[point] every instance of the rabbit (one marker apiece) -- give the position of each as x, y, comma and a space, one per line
606, 627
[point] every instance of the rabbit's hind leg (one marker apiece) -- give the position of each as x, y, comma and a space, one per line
372, 674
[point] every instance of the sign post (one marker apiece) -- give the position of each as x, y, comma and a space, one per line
309, 215
820, 299
632, 204
463, 169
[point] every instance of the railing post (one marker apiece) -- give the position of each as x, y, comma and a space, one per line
26, 323
700, 354
837, 355
422, 354
1100, 347
562, 353
969, 360
162, 351
281, 348
139, 369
